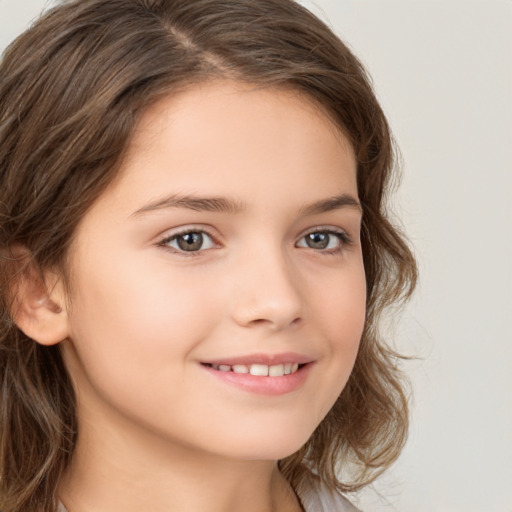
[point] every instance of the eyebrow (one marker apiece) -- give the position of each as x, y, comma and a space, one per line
332, 203
225, 205
200, 204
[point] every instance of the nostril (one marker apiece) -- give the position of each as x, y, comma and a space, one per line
276, 323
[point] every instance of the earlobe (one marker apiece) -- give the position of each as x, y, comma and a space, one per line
39, 303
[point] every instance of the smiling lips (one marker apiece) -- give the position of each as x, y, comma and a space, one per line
261, 370
262, 373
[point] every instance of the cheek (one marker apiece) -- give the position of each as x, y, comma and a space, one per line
341, 313
138, 318
341, 307
133, 339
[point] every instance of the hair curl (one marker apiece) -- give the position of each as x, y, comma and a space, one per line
72, 89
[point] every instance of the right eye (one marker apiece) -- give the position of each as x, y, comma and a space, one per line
189, 241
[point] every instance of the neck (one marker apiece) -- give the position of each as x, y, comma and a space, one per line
111, 473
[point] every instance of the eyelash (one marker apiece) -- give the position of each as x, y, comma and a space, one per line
342, 236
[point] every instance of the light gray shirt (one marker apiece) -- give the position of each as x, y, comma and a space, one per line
316, 497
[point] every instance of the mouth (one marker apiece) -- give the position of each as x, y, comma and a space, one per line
262, 374
258, 370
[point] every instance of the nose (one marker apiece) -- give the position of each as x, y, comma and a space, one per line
267, 292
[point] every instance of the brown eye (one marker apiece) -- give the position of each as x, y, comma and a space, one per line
190, 241
318, 240
328, 241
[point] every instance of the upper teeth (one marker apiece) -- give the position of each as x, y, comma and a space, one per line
277, 370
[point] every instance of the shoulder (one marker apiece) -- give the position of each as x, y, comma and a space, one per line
315, 496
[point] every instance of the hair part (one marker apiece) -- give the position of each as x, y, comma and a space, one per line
72, 89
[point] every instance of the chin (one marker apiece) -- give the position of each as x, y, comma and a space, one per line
273, 446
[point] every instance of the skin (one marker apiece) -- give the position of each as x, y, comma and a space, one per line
157, 431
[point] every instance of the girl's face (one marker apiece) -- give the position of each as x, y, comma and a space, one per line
229, 244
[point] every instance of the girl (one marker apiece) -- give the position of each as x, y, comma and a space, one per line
194, 258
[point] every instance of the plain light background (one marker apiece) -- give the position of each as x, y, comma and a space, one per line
443, 73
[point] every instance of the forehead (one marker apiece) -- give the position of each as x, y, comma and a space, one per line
227, 123
235, 140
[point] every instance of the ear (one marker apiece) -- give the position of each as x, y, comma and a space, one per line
39, 305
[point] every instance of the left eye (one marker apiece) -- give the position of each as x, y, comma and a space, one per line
190, 241
323, 240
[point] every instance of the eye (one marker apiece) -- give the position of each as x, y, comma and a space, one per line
189, 241
325, 240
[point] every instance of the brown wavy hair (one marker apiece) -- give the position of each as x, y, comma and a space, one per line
72, 89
